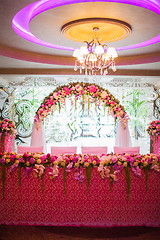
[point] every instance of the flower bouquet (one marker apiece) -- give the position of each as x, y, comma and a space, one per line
154, 131
154, 128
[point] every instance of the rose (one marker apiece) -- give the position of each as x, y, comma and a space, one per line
39, 161
67, 91
145, 163
86, 164
55, 95
2, 161
92, 88
135, 164
114, 159
119, 163
125, 164
94, 162
103, 94
79, 88
32, 160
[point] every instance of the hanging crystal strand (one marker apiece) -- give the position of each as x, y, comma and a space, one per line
113, 66
88, 104
104, 110
80, 69
86, 71
105, 72
101, 71
75, 66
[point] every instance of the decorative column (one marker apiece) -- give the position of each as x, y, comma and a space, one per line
155, 144
154, 132
7, 135
6, 143
2, 144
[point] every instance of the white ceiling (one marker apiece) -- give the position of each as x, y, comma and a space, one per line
19, 56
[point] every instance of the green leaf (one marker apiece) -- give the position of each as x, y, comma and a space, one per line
127, 172
88, 174
42, 182
111, 179
59, 106
64, 178
19, 176
146, 171
3, 174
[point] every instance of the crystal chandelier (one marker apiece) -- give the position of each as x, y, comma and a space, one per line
95, 58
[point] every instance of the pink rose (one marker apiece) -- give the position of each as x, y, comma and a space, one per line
66, 90
92, 88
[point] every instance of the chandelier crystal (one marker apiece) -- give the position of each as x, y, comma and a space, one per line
95, 58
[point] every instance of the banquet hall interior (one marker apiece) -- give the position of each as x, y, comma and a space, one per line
62, 87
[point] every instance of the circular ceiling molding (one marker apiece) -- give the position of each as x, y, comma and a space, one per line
104, 29
21, 24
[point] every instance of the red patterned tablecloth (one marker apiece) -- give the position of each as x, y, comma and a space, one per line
27, 205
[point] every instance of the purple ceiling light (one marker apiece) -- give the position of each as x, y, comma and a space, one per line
20, 23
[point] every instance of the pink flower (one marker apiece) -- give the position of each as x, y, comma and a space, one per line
2, 161
43, 158
55, 95
12, 158
78, 87
32, 160
92, 88
67, 91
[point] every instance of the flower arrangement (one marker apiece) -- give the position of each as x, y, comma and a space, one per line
108, 166
154, 128
7, 127
88, 92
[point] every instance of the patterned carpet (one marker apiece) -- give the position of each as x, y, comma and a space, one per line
77, 233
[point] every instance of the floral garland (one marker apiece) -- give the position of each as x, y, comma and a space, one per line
7, 127
154, 128
88, 93
108, 166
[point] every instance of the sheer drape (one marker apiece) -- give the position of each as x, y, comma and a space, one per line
38, 136
123, 138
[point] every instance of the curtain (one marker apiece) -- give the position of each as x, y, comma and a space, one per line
123, 138
38, 136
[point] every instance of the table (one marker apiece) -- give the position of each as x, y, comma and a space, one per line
102, 208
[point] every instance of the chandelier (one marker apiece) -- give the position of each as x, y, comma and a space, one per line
95, 57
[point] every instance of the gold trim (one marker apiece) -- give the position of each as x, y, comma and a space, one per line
104, 29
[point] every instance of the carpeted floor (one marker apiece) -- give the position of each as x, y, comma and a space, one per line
77, 233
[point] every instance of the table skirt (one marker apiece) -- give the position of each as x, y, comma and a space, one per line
101, 207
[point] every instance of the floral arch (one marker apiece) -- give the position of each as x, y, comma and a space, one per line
90, 93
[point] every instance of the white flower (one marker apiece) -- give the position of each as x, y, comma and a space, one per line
55, 95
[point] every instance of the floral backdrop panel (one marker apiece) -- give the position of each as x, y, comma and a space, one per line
93, 127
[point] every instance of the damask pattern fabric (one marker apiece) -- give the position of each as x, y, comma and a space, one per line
28, 206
